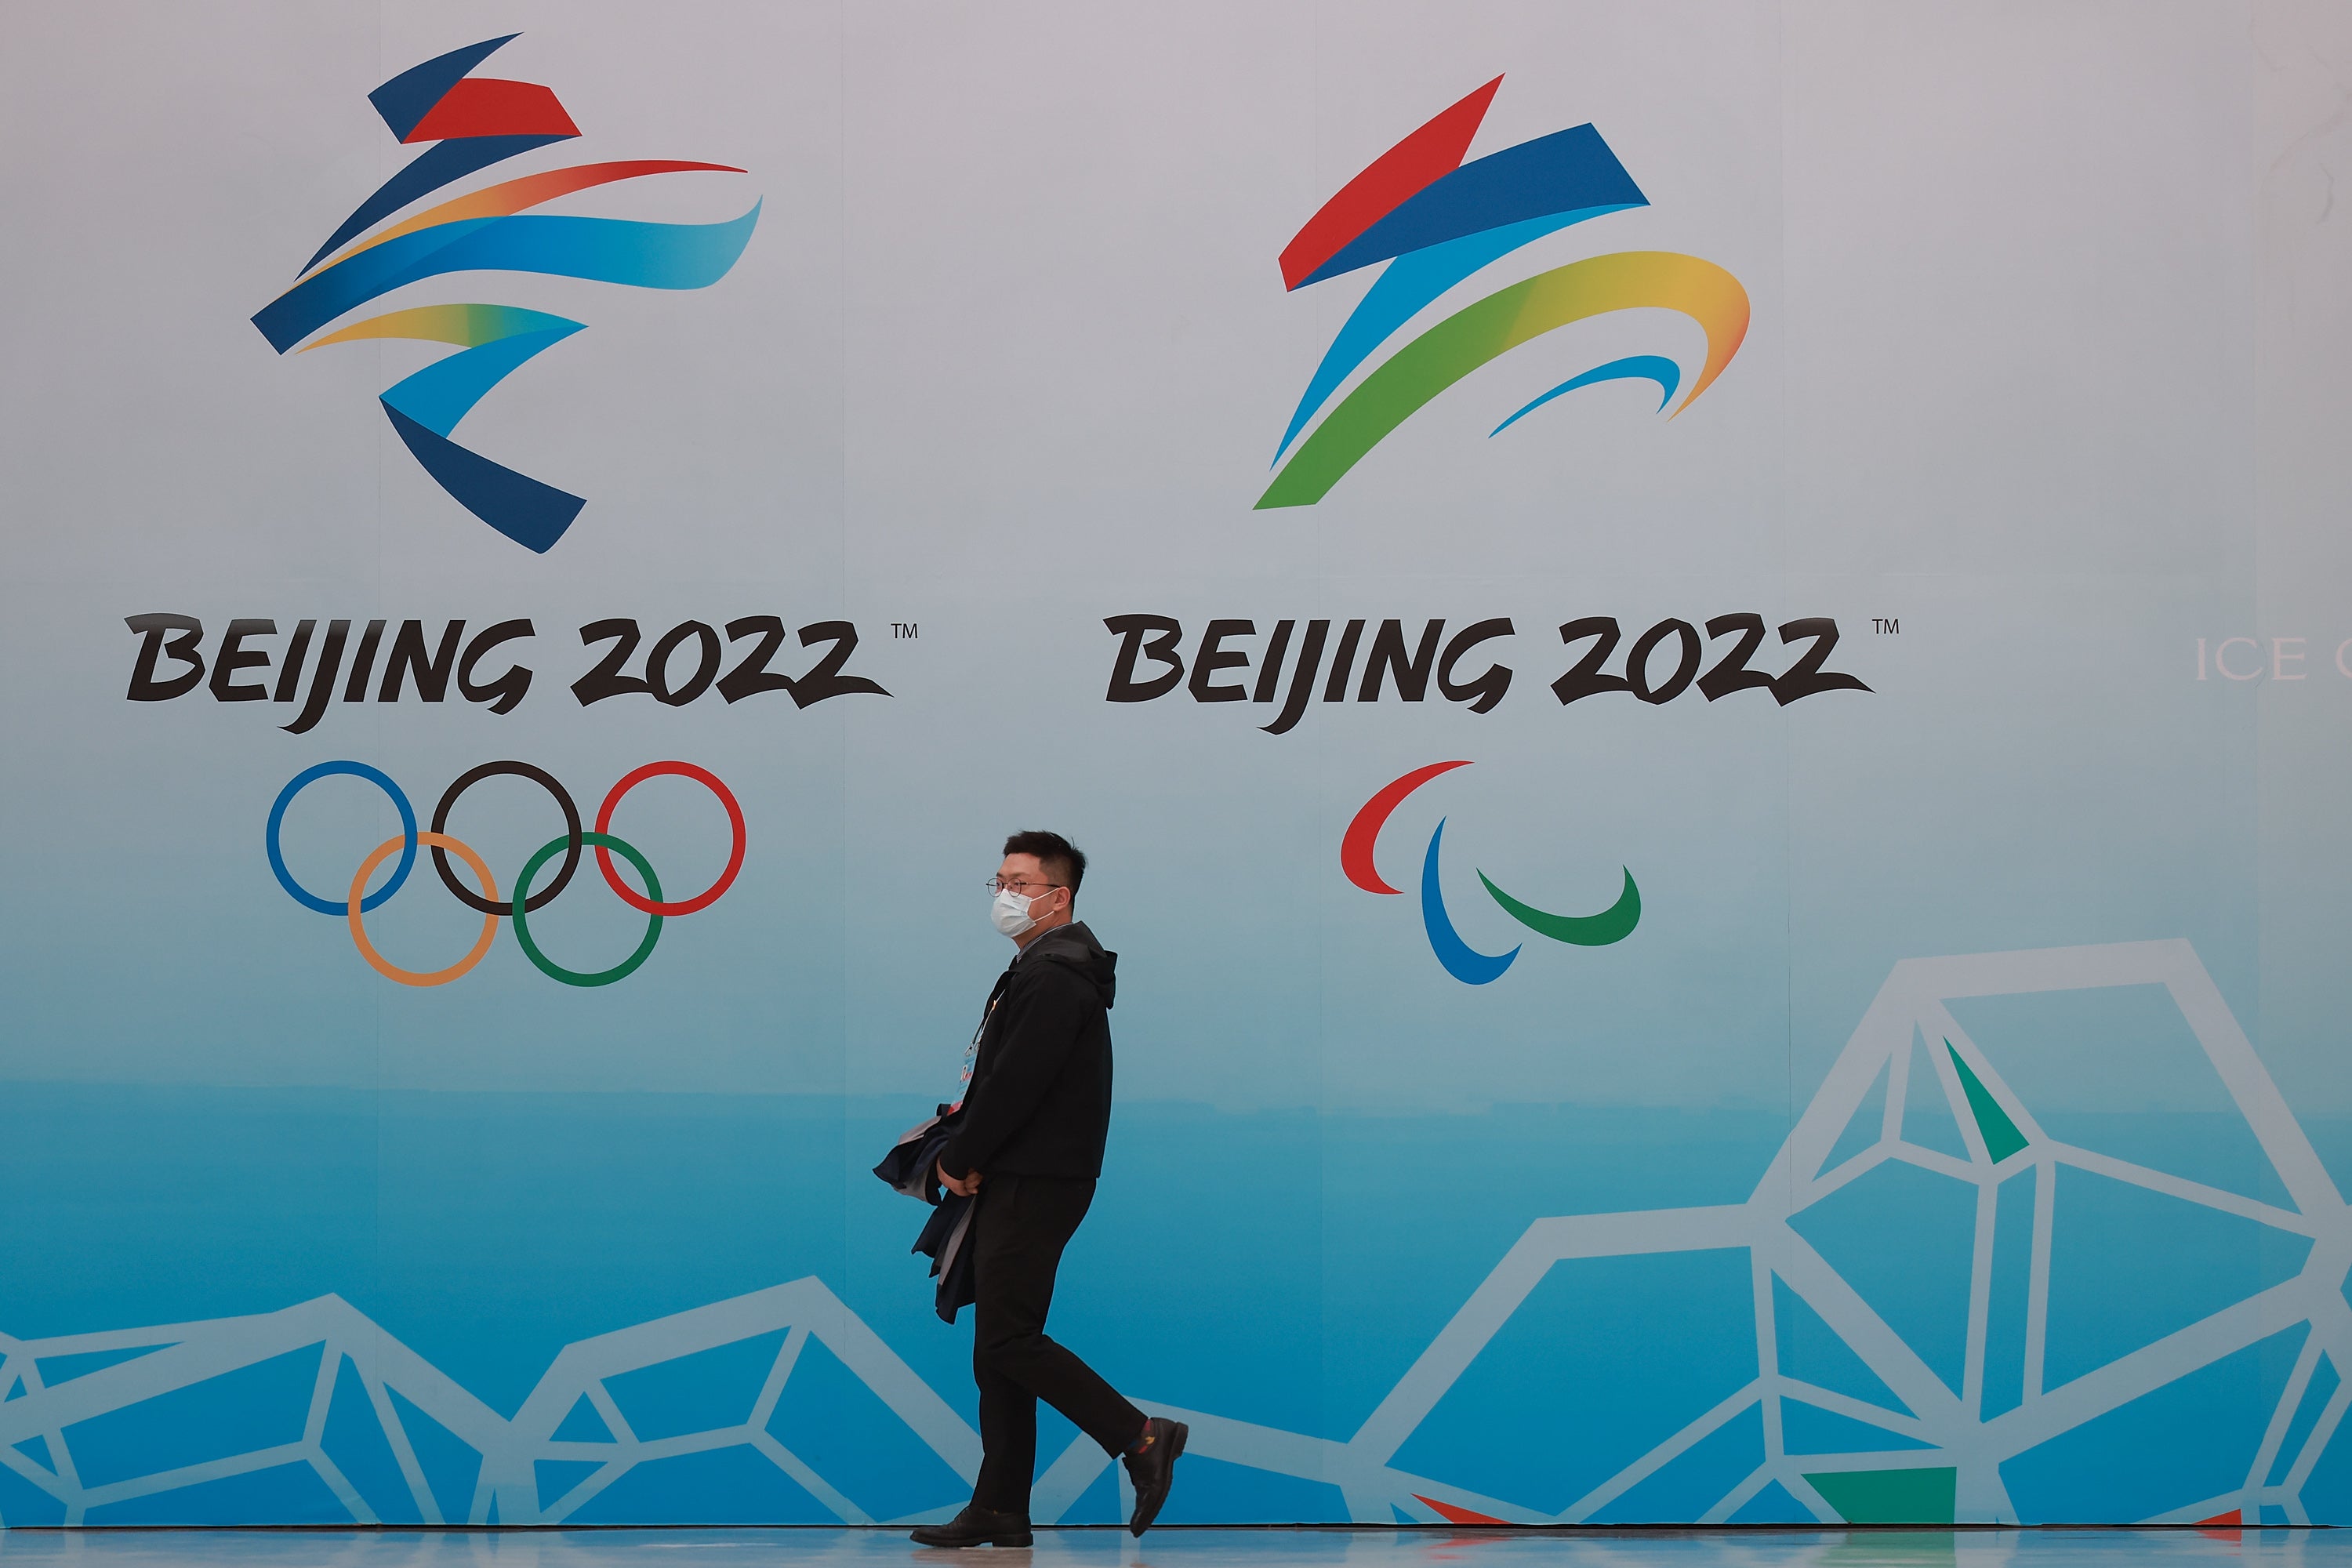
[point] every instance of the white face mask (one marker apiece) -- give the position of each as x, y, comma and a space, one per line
1010, 912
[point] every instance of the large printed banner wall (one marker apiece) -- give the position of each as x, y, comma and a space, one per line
1704, 652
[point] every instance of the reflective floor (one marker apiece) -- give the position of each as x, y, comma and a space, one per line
1181, 1548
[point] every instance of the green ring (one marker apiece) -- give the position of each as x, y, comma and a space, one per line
548, 966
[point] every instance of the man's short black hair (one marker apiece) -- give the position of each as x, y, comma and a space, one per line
1064, 862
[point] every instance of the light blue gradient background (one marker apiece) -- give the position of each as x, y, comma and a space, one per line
2031, 380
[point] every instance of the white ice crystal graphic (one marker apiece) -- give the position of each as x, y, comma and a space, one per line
1963, 1449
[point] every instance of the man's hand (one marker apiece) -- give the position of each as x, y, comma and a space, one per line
965, 1188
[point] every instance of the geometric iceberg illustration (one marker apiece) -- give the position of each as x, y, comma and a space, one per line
368, 1431
1908, 1267
1875, 1334
1936, 1303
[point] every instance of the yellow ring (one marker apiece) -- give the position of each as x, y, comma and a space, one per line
391, 971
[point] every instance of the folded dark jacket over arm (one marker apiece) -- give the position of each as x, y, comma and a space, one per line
912, 1167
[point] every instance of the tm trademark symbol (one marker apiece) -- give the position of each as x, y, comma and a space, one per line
902, 629
1888, 627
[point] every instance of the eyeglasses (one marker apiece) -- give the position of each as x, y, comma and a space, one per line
1016, 884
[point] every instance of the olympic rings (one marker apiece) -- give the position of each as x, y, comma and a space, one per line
303, 896
385, 967
525, 902
545, 780
653, 906
548, 966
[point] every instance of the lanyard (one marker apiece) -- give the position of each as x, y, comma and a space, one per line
972, 1053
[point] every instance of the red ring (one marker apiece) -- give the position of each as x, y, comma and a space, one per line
628, 895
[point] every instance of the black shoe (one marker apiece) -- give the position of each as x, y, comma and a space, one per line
977, 1526
1153, 1469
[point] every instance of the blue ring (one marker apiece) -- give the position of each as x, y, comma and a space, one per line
382, 781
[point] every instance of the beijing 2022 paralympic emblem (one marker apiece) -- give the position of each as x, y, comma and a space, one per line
1459, 959
524, 902
1431, 221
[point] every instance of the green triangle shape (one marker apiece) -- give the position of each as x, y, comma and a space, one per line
1891, 1497
2002, 1138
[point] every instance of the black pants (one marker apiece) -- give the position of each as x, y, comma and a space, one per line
1018, 1233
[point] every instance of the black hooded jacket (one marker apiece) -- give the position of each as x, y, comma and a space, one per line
1039, 1104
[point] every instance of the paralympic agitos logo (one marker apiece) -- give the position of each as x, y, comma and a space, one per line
1435, 220
1460, 960
473, 123
527, 897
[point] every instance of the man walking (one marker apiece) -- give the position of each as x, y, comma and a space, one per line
1030, 1146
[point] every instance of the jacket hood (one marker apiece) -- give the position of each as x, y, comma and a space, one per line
1073, 946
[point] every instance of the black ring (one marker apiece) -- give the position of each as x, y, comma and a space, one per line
545, 780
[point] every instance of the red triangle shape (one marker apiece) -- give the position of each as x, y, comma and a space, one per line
1453, 1515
